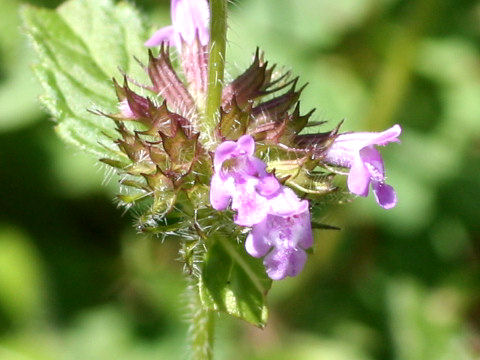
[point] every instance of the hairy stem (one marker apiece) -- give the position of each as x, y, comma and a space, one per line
216, 68
202, 320
202, 326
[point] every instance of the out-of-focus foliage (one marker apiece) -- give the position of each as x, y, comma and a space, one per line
17, 88
77, 283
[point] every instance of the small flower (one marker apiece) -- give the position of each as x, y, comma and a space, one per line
287, 237
280, 220
189, 19
357, 152
245, 181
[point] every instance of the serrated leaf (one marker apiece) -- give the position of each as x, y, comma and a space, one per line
234, 282
80, 47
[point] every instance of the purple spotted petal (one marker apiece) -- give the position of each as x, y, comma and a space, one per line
288, 236
251, 207
384, 194
283, 262
291, 231
373, 161
303, 230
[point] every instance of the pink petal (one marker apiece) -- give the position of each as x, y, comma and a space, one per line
246, 145
303, 230
220, 192
224, 152
384, 194
257, 167
358, 140
268, 185
164, 35
358, 178
251, 207
373, 161
389, 135
190, 17
257, 244
281, 263
287, 203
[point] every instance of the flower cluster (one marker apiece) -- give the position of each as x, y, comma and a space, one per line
280, 221
259, 154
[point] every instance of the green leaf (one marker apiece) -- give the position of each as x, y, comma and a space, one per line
80, 47
234, 282
18, 94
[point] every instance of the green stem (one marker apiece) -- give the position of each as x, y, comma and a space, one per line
216, 68
202, 320
202, 327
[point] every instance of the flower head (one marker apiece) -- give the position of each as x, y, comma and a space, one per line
280, 221
357, 151
189, 19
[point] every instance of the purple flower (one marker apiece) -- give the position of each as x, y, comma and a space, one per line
242, 179
283, 239
189, 18
357, 151
280, 221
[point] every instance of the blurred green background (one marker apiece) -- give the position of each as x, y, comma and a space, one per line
76, 282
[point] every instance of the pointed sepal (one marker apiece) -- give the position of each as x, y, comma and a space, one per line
167, 83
